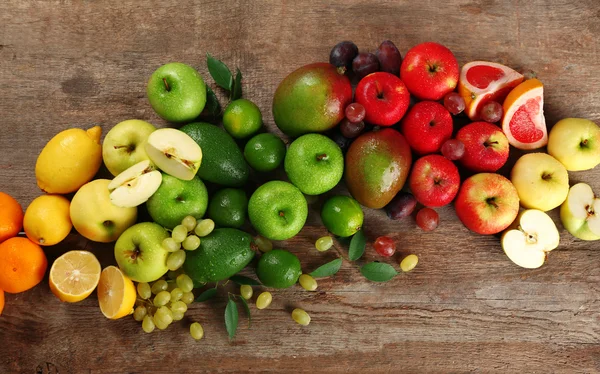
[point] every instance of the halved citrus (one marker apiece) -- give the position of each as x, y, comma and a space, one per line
483, 81
116, 293
523, 122
74, 276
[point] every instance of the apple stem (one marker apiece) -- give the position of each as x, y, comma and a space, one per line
583, 143
281, 214
166, 84
322, 157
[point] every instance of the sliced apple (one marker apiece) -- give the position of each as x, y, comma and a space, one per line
174, 152
530, 238
580, 213
135, 185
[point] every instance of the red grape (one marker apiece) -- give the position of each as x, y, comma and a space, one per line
339, 139
427, 219
351, 129
453, 149
355, 112
389, 58
492, 112
365, 64
454, 103
385, 246
342, 54
401, 206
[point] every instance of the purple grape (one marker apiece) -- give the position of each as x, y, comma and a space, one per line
351, 129
365, 64
401, 206
389, 58
339, 139
342, 54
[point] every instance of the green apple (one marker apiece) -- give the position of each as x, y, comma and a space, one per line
580, 213
175, 199
542, 182
277, 210
140, 254
314, 163
177, 92
575, 142
174, 152
124, 145
95, 217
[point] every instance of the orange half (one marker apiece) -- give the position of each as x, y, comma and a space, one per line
523, 122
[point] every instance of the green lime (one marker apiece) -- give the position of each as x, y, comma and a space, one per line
228, 207
278, 269
242, 118
342, 215
265, 152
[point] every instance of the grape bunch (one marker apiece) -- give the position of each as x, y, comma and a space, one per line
346, 57
187, 236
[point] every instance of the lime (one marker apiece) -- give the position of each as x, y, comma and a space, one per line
264, 152
242, 118
228, 207
342, 216
278, 269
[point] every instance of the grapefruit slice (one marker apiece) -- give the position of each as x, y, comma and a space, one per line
483, 81
523, 123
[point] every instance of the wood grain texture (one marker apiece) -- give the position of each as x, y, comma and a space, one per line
465, 308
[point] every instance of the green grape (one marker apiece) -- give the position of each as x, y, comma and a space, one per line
179, 233
191, 243
171, 285
301, 317
148, 324
246, 291
324, 243
189, 223
159, 285
170, 245
307, 282
264, 244
176, 259
196, 331
159, 322
185, 283
188, 298
204, 227
264, 300
176, 294
409, 263
179, 306
174, 274
139, 313
162, 298
144, 290
177, 316
165, 314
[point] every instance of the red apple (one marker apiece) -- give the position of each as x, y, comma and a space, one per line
486, 147
429, 71
487, 203
434, 181
384, 97
426, 126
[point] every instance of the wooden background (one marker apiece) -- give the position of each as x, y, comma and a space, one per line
465, 308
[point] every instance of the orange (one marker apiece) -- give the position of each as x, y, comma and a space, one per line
74, 275
1, 301
523, 122
116, 293
481, 82
11, 217
22, 265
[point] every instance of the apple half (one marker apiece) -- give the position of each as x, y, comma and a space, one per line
135, 185
580, 213
530, 238
174, 152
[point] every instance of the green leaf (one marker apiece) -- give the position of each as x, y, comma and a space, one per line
357, 246
220, 72
206, 295
328, 269
247, 309
236, 93
212, 103
243, 280
378, 271
231, 318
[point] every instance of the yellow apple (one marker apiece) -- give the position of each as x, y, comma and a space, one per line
541, 181
580, 213
95, 217
576, 143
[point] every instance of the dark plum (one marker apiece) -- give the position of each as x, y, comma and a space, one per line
342, 54
365, 64
389, 58
401, 206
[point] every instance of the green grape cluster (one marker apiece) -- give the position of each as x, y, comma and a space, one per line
185, 237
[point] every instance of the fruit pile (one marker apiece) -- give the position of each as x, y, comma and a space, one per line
394, 139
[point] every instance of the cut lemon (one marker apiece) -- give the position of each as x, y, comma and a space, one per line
74, 276
523, 123
116, 293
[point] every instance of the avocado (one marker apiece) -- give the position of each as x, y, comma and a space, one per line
222, 254
222, 160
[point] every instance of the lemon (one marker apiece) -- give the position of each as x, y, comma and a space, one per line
116, 293
47, 220
69, 160
74, 276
